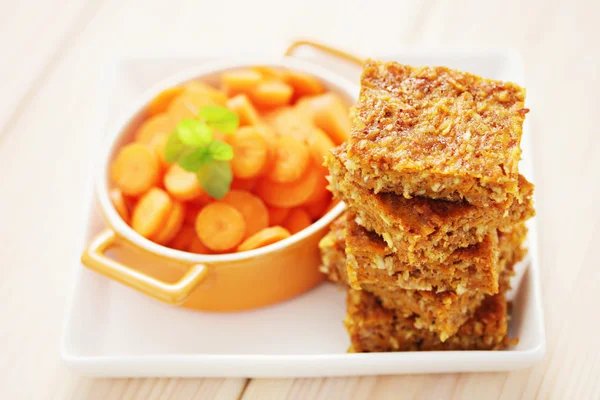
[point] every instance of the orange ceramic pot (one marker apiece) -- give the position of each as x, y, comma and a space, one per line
225, 282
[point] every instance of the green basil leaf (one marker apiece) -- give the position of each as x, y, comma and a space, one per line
215, 178
194, 133
219, 118
193, 160
174, 148
220, 151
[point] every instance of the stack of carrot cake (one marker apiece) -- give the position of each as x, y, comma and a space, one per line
435, 209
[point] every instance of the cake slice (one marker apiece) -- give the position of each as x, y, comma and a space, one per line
421, 230
438, 133
441, 313
373, 328
468, 269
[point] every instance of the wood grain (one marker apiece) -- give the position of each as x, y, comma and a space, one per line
55, 51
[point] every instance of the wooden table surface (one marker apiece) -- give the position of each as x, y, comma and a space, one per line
54, 53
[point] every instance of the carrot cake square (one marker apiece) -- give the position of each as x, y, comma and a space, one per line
437, 132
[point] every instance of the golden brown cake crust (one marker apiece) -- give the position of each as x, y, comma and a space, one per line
370, 261
436, 132
373, 328
422, 229
442, 313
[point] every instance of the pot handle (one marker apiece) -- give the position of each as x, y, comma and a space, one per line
326, 49
94, 258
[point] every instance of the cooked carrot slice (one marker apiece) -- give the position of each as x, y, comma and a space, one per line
243, 184
252, 208
289, 194
270, 73
319, 144
264, 238
151, 212
304, 108
297, 220
304, 84
240, 80
317, 209
181, 184
287, 121
158, 145
332, 115
119, 203
135, 169
291, 160
182, 108
270, 94
161, 102
184, 238
250, 152
172, 225
217, 96
196, 246
277, 215
267, 132
244, 110
320, 190
154, 126
189, 103
220, 226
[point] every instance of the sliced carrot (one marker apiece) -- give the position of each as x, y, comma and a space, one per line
119, 203
319, 144
291, 160
151, 212
267, 132
161, 102
216, 95
297, 220
182, 107
155, 126
158, 145
220, 226
181, 184
287, 121
320, 190
304, 108
243, 184
240, 80
317, 209
244, 109
189, 103
289, 194
250, 152
332, 115
135, 169
196, 246
270, 73
171, 226
252, 208
277, 215
184, 238
271, 94
304, 84
264, 238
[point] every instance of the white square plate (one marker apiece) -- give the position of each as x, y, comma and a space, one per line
111, 330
